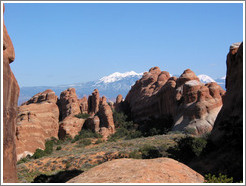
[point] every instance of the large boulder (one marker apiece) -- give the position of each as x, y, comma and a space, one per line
38, 120
10, 98
224, 151
192, 104
160, 170
70, 126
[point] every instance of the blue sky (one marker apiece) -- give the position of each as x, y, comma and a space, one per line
68, 43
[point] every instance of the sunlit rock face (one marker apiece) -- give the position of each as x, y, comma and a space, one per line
224, 151
10, 98
193, 105
37, 121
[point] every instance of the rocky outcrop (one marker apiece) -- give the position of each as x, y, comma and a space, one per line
106, 119
160, 170
142, 96
70, 126
83, 104
69, 103
102, 121
224, 151
38, 120
93, 102
118, 105
10, 97
192, 104
70, 106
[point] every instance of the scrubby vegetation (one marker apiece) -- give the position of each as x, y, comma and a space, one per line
48, 150
187, 148
82, 115
86, 133
217, 179
127, 129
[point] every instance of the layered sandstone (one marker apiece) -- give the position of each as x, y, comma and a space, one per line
70, 106
224, 151
37, 121
160, 170
192, 104
10, 97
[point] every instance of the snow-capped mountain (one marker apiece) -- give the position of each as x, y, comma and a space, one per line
109, 86
205, 78
117, 76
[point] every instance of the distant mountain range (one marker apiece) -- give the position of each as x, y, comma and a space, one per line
109, 86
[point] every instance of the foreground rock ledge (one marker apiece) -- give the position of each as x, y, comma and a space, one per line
160, 170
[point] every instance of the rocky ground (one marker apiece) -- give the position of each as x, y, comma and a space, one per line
80, 157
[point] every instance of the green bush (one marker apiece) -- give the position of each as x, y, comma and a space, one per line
135, 154
150, 152
23, 160
48, 150
86, 133
58, 148
38, 154
98, 141
48, 147
156, 126
220, 179
187, 148
83, 115
84, 142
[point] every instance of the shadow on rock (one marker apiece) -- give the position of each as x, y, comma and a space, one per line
60, 177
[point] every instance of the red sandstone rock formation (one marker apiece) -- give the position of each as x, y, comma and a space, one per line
160, 170
192, 104
106, 119
224, 151
83, 104
70, 126
93, 102
70, 106
118, 103
10, 97
102, 122
37, 121
69, 103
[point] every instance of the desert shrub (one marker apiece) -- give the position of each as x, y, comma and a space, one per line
82, 115
156, 126
134, 134
86, 133
98, 141
220, 179
48, 147
187, 148
150, 152
58, 148
38, 154
135, 154
48, 150
24, 160
84, 142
